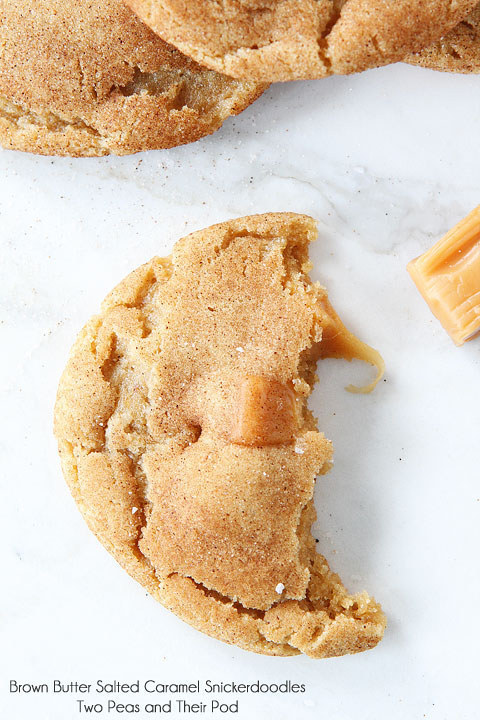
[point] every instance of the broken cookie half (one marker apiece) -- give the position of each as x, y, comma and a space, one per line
187, 442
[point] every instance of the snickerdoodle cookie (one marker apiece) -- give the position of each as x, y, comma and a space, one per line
186, 439
271, 40
89, 78
458, 51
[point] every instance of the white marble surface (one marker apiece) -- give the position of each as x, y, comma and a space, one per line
386, 162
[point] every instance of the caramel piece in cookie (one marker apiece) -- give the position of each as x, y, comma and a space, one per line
266, 413
275, 40
89, 78
186, 438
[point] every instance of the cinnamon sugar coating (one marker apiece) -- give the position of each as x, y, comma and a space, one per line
276, 40
89, 78
213, 521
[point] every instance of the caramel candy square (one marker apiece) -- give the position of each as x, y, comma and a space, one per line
448, 277
266, 413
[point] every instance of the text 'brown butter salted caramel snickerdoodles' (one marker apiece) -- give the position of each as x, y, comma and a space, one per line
89, 78
186, 439
275, 40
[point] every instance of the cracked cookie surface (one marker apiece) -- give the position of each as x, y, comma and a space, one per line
89, 78
277, 40
186, 439
458, 51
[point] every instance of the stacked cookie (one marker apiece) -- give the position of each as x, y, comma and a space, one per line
275, 40
90, 78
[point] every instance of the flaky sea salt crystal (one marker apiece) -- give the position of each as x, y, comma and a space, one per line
280, 588
134, 510
240, 349
300, 446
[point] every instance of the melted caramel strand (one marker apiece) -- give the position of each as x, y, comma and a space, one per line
338, 342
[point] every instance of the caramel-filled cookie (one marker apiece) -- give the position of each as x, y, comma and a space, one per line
458, 51
89, 78
271, 40
187, 443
